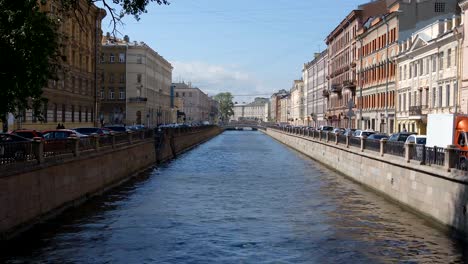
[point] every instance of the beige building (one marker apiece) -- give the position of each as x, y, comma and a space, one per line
298, 105
463, 70
285, 109
252, 111
137, 84
428, 73
275, 106
72, 98
196, 104
314, 74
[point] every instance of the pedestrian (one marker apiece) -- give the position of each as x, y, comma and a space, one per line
58, 126
404, 130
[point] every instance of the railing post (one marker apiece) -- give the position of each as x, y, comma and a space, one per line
76, 145
348, 137
38, 149
327, 136
96, 141
320, 135
451, 157
408, 151
113, 139
337, 135
383, 142
129, 136
363, 143
423, 158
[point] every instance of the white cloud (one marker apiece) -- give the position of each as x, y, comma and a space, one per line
213, 79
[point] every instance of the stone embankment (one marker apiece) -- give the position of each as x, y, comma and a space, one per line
432, 188
52, 177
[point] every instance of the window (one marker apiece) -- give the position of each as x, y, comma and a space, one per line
433, 97
177, 94
441, 61
45, 112
111, 93
139, 78
139, 59
400, 73
63, 113
440, 97
55, 112
103, 58
121, 57
439, 7
434, 63
111, 78
79, 113
102, 94
183, 94
449, 58
421, 64
447, 95
400, 102
121, 94
427, 65
409, 99
404, 73
73, 83
415, 69
73, 113
427, 98
111, 57
410, 70
122, 78
86, 114
404, 102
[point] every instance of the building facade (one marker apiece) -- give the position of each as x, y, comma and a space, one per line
428, 74
285, 109
196, 104
71, 99
314, 74
275, 106
251, 111
298, 104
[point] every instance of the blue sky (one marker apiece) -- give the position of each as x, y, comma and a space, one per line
246, 47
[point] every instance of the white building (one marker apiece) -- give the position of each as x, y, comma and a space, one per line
314, 74
251, 111
428, 67
298, 98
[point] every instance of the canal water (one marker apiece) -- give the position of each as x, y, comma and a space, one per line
240, 198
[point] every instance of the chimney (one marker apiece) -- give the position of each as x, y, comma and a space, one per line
455, 21
447, 25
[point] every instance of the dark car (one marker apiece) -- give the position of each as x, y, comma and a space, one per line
6, 138
90, 130
116, 128
26, 133
401, 136
59, 134
11, 148
377, 136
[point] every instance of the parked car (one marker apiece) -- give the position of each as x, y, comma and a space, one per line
61, 134
363, 133
13, 152
90, 130
349, 131
117, 128
338, 130
5, 138
416, 139
326, 128
26, 133
378, 136
401, 136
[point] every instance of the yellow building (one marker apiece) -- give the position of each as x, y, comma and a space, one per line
71, 99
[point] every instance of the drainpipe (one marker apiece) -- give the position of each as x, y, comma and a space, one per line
360, 87
386, 73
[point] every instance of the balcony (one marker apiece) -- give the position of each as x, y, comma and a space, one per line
416, 111
325, 93
336, 88
137, 99
353, 65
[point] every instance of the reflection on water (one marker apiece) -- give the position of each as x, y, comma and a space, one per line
240, 198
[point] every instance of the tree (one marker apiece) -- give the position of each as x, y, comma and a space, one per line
29, 47
226, 106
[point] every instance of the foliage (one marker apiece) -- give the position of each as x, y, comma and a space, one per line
29, 47
226, 106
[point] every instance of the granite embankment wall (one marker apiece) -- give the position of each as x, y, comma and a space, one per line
431, 191
30, 194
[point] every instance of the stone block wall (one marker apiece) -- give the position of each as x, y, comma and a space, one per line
431, 191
